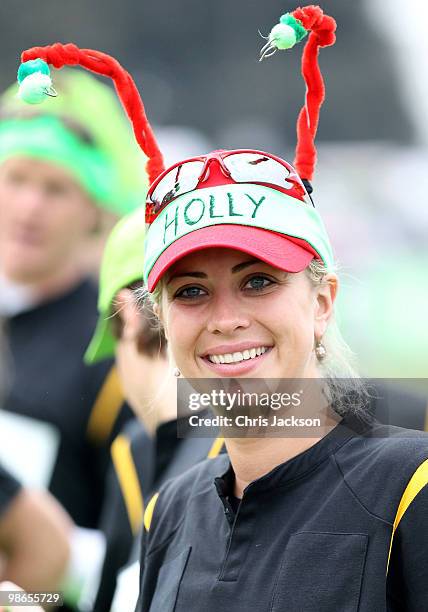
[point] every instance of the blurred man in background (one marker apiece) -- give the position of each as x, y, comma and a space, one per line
61, 166
34, 529
147, 451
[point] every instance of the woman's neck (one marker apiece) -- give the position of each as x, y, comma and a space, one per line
252, 458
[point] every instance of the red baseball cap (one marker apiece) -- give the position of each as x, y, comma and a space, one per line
286, 253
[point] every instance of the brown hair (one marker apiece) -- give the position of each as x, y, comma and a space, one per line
150, 340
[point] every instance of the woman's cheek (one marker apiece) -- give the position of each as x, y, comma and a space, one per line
294, 341
182, 338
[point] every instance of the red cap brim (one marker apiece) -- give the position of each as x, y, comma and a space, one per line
283, 252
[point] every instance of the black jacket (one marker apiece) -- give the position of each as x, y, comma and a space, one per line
313, 535
50, 383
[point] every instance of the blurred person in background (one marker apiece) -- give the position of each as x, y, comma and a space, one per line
148, 451
34, 529
61, 167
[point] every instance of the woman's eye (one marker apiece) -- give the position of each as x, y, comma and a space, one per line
256, 283
190, 292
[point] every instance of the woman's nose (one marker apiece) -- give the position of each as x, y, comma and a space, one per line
227, 316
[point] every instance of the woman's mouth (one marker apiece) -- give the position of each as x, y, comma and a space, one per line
234, 363
238, 356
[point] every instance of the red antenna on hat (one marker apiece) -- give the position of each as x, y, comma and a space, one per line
292, 28
35, 85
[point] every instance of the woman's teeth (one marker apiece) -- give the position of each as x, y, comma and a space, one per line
238, 356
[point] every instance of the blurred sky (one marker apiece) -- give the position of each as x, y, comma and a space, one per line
196, 64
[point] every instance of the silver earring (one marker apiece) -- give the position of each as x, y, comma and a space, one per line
177, 372
320, 351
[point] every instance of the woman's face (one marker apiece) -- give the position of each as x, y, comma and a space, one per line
228, 314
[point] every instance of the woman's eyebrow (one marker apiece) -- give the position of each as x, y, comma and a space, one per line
182, 274
244, 265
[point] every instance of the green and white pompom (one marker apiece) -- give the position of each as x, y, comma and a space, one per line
284, 35
35, 82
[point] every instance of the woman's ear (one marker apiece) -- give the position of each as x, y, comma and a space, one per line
326, 295
127, 309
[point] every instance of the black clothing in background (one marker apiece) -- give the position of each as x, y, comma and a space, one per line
394, 405
51, 383
9, 488
115, 521
156, 460
166, 445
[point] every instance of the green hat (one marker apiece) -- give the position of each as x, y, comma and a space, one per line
122, 264
113, 172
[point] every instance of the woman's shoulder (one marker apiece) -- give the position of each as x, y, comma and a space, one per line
385, 446
167, 508
380, 464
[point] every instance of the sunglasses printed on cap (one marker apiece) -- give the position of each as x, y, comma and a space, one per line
237, 166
